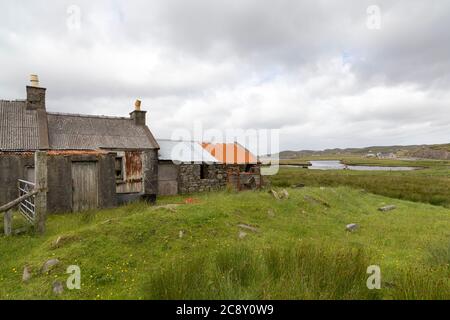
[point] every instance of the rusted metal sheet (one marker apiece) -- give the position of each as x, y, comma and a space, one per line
132, 175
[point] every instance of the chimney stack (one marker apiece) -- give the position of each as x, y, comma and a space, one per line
36, 101
138, 115
137, 105
34, 79
35, 94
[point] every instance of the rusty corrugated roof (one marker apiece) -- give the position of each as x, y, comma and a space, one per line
18, 127
71, 131
230, 153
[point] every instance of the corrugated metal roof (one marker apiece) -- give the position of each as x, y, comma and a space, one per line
184, 152
18, 127
83, 132
230, 153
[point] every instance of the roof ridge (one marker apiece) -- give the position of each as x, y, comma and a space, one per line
86, 115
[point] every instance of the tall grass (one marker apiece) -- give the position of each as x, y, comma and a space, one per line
237, 272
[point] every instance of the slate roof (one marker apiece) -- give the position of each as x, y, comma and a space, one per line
184, 152
83, 132
18, 127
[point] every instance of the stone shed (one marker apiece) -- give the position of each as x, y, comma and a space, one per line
93, 161
243, 170
185, 167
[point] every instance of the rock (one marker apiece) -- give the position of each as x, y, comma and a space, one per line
271, 213
275, 194
48, 265
242, 234
387, 208
351, 227
284, 194
26, 274
247, 227
58, 287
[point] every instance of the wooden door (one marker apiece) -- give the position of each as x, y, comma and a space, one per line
167, 179
84, 186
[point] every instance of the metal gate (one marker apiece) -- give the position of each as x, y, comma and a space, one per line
27, 207
84, 186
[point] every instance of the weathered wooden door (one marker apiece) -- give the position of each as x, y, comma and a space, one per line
167, 179
84, 186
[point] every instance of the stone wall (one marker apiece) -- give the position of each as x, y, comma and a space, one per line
189, 179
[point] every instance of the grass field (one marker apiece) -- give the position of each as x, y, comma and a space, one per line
429, 185
298, 249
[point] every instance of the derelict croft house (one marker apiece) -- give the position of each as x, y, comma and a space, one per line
92, 161
189, 166
185, 167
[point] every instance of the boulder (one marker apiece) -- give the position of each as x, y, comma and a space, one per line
48, 265
274, 194
242, 234
58, 287
26, 274
284, 194
247, 227
351, 227
387, 208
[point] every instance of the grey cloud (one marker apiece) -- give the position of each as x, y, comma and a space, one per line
306, 67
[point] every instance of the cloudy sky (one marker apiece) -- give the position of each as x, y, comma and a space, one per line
325, 73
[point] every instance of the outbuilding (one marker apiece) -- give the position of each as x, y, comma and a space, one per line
185, 167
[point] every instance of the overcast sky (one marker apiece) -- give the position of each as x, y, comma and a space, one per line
325, 73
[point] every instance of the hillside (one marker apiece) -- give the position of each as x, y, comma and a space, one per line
239, 246
437, 151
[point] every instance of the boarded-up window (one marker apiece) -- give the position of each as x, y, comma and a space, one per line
119, 168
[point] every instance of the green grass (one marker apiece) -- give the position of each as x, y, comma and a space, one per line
300, 250
429, 185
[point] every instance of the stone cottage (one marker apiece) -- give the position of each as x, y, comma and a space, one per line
185, 167
93, 161
189, 166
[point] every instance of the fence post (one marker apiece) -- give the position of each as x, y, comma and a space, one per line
40, 164
8, 222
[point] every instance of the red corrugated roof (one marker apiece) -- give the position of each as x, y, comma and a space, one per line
230, 153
